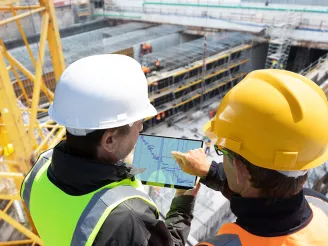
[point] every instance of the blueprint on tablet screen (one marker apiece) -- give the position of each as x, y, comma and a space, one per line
154, 154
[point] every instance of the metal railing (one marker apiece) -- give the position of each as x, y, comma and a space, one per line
315, 65
224, 15
295, 2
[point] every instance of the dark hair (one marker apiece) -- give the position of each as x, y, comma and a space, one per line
270, 182
86, 146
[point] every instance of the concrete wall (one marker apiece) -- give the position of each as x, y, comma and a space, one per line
228, 15
160, 43
32, 24
184, 38
258, 56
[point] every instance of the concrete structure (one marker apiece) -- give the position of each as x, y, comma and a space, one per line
318, 72
226, 15
67, 14
32, 24
80, 45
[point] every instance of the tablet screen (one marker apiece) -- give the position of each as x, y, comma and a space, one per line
154, 154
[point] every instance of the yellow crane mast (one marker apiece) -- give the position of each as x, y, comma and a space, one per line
22, 139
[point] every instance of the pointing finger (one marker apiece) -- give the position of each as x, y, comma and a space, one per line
178, 154
179, 161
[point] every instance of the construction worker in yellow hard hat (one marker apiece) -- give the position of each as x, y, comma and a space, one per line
82, 192
271, 129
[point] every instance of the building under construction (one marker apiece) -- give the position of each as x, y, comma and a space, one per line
190, 65
185, 80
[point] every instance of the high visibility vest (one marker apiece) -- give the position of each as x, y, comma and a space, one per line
145, 69
62, 219
315, 233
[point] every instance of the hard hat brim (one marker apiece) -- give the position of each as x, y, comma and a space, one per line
207, 129
150, 111
317, 162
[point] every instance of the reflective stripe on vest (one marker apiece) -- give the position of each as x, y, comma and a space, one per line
31, 176
101, 204
84, 214
315, 233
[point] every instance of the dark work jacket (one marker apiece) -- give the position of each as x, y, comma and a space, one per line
133, 222
261, 217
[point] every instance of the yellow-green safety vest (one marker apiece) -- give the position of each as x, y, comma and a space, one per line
63, 219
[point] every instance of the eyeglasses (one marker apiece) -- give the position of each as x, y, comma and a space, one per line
141, 123
220, 151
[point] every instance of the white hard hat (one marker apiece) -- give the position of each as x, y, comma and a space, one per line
101, 92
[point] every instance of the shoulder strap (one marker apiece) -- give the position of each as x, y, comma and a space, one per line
97, 210
222, 240
28, 182
316, 199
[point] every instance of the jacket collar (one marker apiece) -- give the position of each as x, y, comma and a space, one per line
77, 176
263, 218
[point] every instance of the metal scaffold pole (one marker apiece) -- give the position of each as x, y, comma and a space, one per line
203, 72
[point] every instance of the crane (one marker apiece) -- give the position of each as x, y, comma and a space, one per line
22, 136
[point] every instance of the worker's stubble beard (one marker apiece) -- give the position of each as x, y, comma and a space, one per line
126, 147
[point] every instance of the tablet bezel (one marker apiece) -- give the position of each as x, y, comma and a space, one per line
170, 185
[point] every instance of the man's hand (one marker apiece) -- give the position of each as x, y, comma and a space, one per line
191, 192
193, 162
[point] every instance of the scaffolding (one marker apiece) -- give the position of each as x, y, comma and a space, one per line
78, 46
181, 83
186, 53
81, 10
280, 43
132, 39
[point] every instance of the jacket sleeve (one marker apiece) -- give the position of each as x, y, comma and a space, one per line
134, 222
178, 219
216, 179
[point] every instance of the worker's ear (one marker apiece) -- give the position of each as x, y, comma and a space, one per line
107, 141
242, 174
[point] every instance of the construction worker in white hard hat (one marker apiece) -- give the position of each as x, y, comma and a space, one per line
271, 129
82, 192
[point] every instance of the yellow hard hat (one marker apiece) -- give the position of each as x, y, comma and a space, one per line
275, 119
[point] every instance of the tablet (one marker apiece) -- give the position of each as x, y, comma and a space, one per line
154, 154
